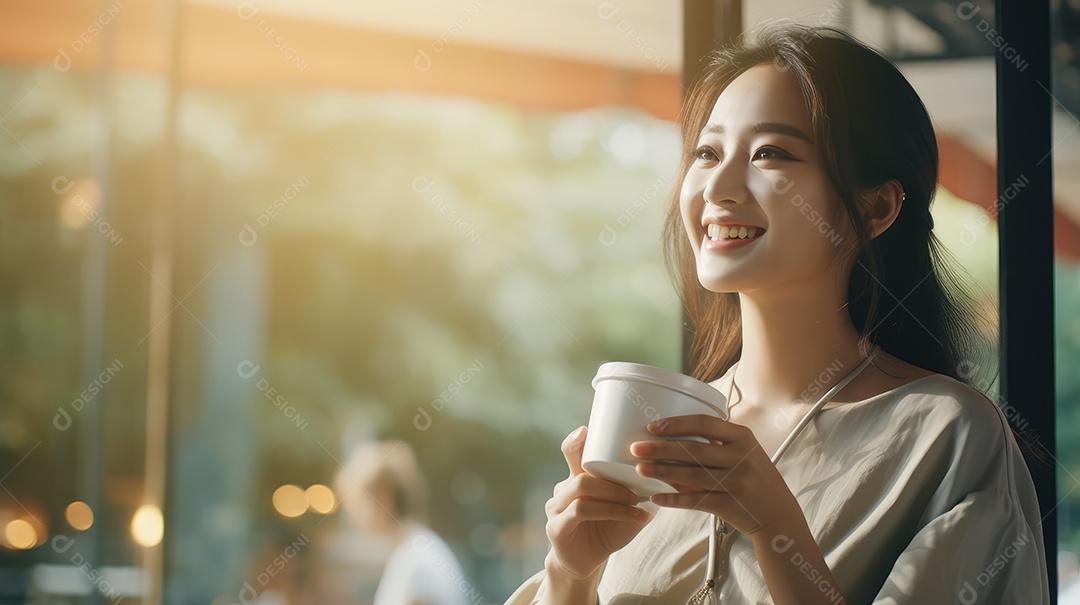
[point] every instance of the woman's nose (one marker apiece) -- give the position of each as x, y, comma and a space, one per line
726, 183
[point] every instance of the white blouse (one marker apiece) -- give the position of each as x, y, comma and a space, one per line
918, 496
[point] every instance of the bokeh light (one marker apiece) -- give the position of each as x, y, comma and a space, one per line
290, 501
80, 202
79, 515
147, 526
20, 534
321, 499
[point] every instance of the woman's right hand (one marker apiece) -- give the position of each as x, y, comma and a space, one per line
589, 518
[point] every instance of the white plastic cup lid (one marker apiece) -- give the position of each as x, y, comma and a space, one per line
691, 387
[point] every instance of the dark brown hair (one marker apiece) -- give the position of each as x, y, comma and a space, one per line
871, 127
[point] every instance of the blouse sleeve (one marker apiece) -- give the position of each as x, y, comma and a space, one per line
981, 538
982, 551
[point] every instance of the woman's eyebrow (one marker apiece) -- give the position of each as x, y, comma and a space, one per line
774, 127
781, 128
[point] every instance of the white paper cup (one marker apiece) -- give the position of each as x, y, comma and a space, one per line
628, 397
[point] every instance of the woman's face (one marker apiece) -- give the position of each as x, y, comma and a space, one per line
756, 165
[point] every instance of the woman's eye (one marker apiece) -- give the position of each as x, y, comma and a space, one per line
766, 153
704, 153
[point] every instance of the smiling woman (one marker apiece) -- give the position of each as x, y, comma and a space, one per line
809, 167
820, 159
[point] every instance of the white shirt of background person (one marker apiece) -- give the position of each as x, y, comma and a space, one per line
423, 570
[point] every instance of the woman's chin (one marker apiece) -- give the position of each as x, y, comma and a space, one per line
718, 284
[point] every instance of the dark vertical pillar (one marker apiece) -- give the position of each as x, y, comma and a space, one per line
707, 25
1024, 111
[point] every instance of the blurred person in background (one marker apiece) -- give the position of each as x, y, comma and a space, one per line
382, 492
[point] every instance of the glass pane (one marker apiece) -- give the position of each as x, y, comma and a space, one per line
449, 277
1066, 156
78, 160
421, 226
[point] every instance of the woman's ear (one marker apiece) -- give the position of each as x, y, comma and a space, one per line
883, 206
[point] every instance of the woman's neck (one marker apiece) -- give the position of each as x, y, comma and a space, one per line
794, 346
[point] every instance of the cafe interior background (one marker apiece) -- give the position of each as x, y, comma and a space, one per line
242, 239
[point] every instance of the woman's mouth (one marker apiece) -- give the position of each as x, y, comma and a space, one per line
719, 232
726, 237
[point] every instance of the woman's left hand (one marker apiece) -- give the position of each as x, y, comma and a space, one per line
731, 476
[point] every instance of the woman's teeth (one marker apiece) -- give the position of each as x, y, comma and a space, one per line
718, 232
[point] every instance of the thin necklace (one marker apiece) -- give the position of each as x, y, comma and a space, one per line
725, 532
731, 386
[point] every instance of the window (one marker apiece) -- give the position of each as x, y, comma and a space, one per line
426, 232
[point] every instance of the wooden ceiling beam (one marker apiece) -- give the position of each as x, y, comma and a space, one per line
250, 48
